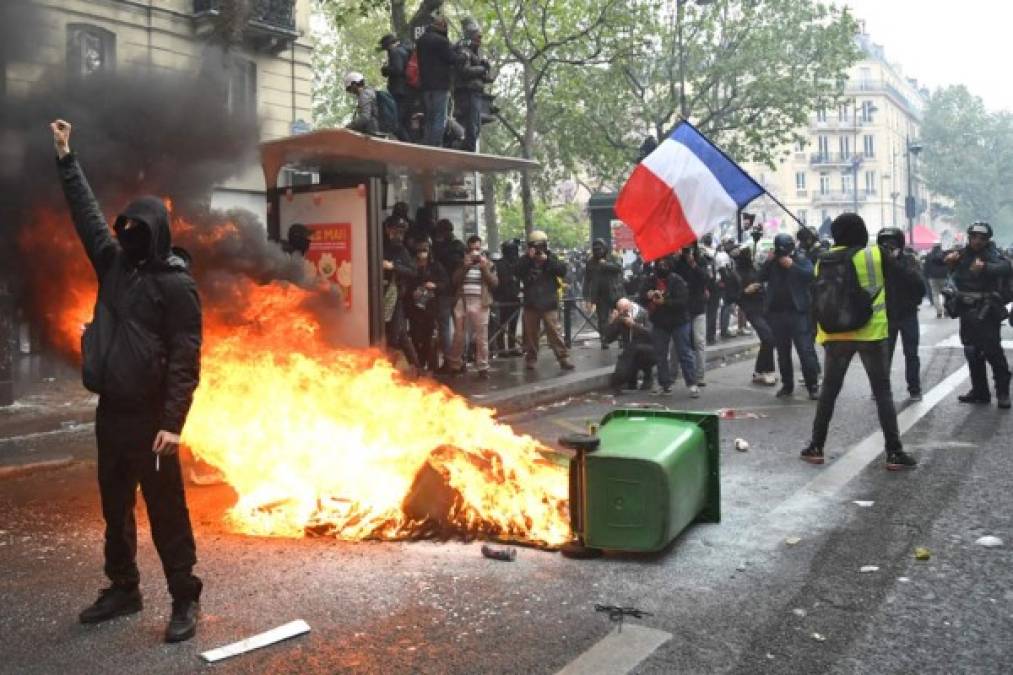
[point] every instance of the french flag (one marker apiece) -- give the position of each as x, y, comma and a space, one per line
684, 189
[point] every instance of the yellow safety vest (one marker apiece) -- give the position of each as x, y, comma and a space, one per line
868, 264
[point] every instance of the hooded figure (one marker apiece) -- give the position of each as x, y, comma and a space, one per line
141, 355
849, 230
603, 284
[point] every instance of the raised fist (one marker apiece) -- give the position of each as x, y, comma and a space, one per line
61, 137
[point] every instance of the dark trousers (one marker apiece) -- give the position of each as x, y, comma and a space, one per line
982, 342
602, 310
907, 327
683, 337
503, 324
397, 335
765, 357
468, 113
634, 359
875, 359
792, 328
713, 303
124, 461
727, 307
422, 325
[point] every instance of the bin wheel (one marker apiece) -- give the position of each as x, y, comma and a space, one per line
580, 442
577, 551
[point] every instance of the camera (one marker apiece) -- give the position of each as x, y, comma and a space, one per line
422, 296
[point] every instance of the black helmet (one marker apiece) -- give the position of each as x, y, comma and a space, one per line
980, 227
784, 244
892, 237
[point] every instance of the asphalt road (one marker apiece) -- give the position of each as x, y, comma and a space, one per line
734, 596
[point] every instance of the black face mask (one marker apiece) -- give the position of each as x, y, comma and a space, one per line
136, 242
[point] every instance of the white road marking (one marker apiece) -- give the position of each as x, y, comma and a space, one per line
840, 472
618, 652
953, 342
72, 429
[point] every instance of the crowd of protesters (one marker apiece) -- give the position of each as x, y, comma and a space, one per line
435, 91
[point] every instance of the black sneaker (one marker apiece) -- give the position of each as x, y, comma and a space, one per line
812, 454
183, 622
975, 397
898, 460
785, 392
915, 396
1003, 401
113, 602
814, 393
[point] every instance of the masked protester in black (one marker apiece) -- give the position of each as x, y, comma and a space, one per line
399, 270
979, 272
422, 295
751, 301
904, 292
141, 355
507, 295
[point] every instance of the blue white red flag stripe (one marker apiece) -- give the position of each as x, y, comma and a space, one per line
681, 191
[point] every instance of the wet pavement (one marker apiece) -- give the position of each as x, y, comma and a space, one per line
739, 596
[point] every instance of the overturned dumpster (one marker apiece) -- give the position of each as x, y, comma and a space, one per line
642, 479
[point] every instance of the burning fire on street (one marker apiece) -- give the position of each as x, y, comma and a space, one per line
317, 440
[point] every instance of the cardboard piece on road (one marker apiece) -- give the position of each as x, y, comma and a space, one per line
289, 630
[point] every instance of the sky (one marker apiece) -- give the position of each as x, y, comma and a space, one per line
943, 42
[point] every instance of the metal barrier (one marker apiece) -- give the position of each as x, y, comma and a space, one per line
587, 322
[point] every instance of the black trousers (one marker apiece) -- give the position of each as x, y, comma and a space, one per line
982, 342
875, 359
765, 357
713, 304
510, 312
422, 326
124, 461
603, 313
791, 328
634, 359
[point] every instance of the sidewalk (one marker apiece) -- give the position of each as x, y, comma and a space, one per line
511, 388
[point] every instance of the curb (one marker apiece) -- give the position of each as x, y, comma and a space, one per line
16, 470
520, 399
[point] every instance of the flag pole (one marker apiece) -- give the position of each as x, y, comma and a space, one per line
783, 207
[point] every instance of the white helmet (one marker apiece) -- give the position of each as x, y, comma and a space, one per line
353, 78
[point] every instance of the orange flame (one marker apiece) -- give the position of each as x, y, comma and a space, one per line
315, 438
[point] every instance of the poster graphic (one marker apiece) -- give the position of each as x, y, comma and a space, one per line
330, 255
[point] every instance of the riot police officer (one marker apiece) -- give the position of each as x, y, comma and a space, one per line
979, 272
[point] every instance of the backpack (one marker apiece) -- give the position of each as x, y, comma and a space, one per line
386, 107
412, 75
840, 304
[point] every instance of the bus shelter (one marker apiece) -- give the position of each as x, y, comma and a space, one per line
342, 185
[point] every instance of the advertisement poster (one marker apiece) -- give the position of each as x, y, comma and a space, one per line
331, 255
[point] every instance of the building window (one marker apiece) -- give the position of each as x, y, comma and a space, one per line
799, 146
867, 110
821, 114
870, 182
824, 146
869, 148
847, 184
844, 113
800, 181
845, 145
242, 92
824, 183
90, 51
803, 215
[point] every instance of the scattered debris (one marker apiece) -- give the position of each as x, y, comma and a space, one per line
791, 541
733, 414
799, 612
988, 541
866, 569
289, 630
863, 504
508, 554
617, 614
741, 445
922, 553
819, 637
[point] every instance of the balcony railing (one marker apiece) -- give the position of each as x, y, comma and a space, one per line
270, 24
838, 197
833, 159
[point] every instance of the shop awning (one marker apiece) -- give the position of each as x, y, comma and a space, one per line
344, 152
923, 237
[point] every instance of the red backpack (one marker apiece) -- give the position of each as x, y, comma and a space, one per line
411, 71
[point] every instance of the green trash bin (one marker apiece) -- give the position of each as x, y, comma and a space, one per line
646, 476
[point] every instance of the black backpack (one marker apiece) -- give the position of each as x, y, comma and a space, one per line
840, 304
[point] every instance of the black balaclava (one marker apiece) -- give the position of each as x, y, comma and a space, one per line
849, 230
136, 242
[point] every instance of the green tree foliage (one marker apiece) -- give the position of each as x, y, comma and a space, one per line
968, 158
566, 225
753, 72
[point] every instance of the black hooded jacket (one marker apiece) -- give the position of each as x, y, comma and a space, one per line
141, 352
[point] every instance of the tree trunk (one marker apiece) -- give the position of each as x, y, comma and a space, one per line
423, 16
491, 217
530, 118
399, 20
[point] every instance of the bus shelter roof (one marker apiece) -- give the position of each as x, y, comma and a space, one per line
345, 152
